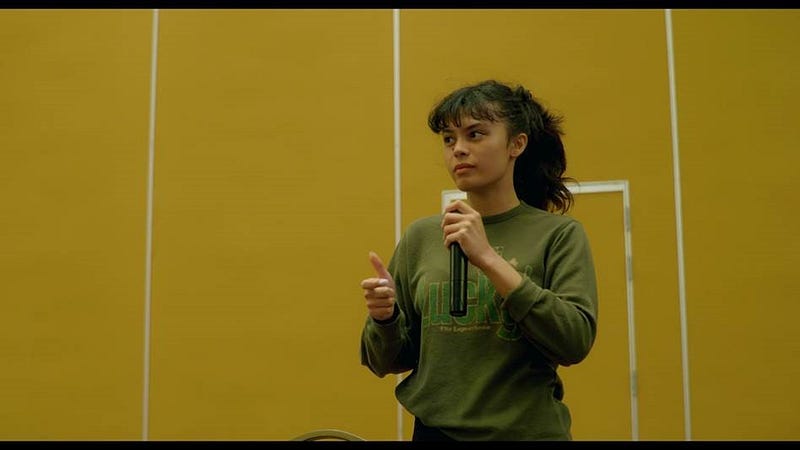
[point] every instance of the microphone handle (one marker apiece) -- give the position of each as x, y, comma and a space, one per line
458, 281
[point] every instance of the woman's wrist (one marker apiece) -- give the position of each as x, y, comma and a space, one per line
503, 276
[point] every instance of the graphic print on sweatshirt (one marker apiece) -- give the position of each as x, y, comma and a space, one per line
483, 306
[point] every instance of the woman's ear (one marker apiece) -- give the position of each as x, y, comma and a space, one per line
518, 144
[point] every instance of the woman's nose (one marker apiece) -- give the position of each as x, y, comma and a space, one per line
459, 148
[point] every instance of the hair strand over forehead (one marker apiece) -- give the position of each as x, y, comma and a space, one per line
464, 102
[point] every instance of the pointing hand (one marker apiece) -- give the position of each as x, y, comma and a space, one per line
379, 291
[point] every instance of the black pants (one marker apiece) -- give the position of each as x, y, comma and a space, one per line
423, 432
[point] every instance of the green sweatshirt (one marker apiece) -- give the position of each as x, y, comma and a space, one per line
490, 375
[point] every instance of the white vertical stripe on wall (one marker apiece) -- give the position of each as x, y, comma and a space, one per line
148, 261
397, 206
676, 171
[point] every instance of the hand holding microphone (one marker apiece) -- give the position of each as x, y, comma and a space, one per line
465, 237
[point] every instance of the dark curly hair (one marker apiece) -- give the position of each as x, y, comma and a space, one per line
539, 171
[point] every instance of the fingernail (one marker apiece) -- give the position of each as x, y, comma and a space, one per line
383, 282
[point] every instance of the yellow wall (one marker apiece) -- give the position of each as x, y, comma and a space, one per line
738, 92
73, 166
274, 178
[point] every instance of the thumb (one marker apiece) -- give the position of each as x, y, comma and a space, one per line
380, 269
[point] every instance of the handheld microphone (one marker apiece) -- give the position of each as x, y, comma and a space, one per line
458, 281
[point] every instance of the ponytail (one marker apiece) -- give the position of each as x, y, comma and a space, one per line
539, 171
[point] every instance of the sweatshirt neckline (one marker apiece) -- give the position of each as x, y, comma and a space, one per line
515, 211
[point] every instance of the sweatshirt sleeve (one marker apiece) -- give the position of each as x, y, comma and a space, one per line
392, 346
560, 320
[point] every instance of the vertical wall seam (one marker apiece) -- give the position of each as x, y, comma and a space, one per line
687, 418
148, 264
632, 359
397, 204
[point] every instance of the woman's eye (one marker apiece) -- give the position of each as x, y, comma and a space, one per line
476, 133
448, 140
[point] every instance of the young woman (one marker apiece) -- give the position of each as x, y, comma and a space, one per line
532, 296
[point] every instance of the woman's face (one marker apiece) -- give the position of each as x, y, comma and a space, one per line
479, 155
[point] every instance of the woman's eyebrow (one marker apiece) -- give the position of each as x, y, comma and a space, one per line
450, 129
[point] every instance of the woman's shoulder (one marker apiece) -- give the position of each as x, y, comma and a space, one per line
540, 214
550, 220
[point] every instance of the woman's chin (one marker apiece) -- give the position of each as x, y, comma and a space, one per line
462, 184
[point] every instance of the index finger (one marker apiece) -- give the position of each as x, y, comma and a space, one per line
378, 265
458, 206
